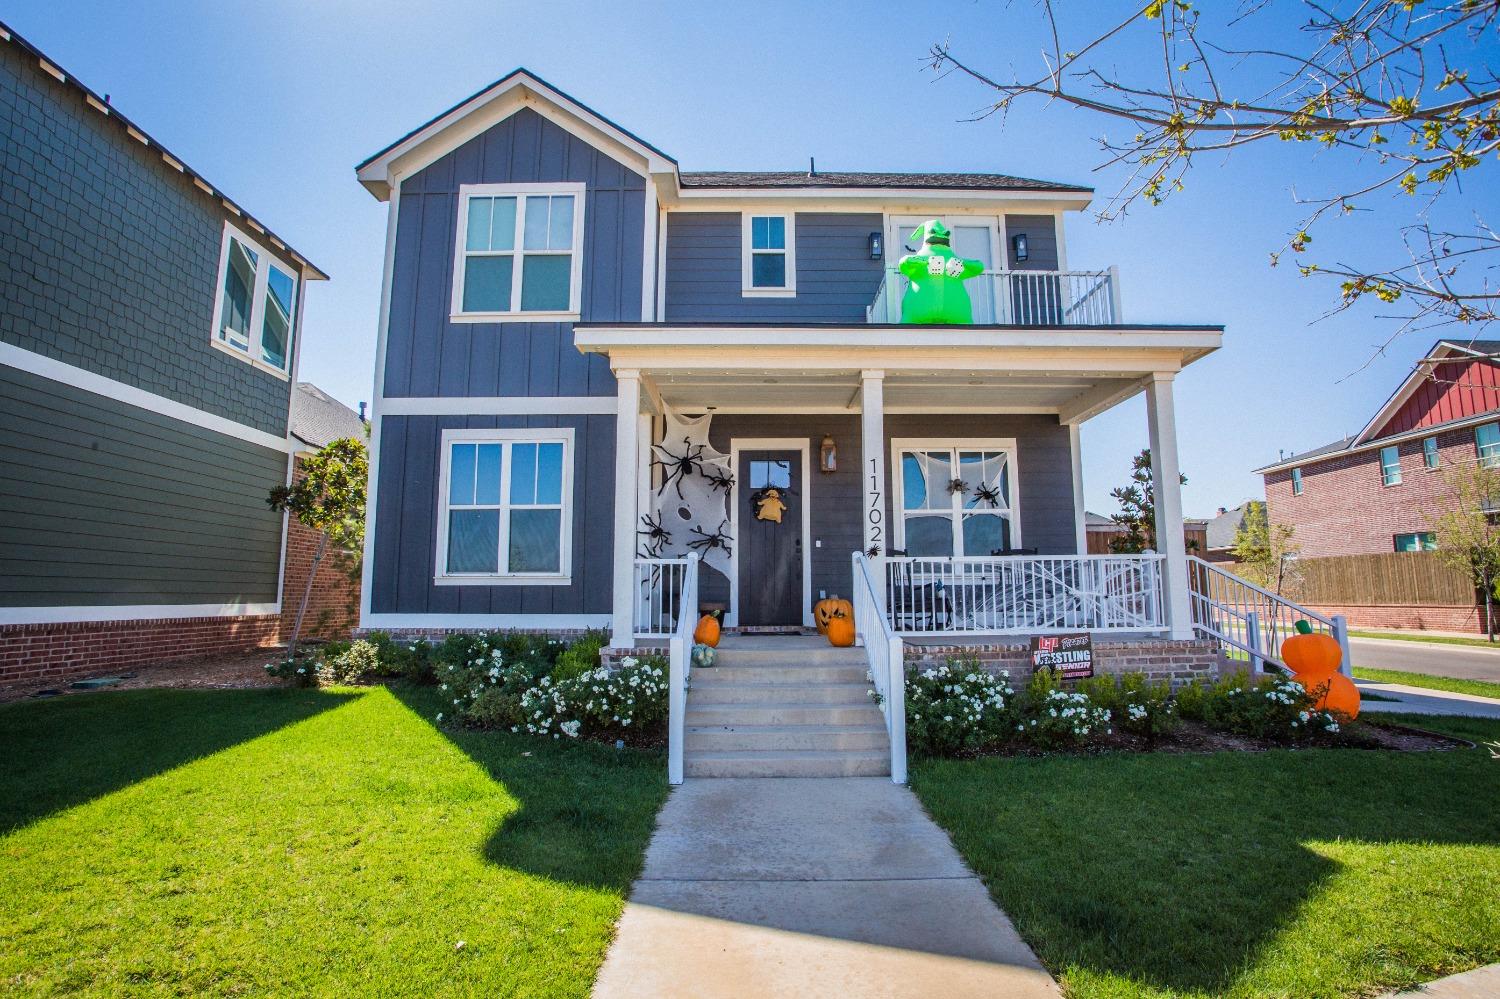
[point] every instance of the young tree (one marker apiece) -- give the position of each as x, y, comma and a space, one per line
1264, 551
1466, 532
1137, 508
330, 499
1394, 97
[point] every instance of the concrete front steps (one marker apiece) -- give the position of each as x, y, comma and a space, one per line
784, 707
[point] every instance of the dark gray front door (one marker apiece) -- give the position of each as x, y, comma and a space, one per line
770, 553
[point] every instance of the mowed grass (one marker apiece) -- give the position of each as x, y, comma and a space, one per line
1479, 688
1406, 636
1312, 873
306, 843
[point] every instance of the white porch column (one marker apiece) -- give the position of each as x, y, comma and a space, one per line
872, 454
627, 486
1165, 478
1080, 514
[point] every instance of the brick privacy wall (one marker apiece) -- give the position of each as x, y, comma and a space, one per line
1344, 509
1408, 617
55, 651
333, 604
109, 258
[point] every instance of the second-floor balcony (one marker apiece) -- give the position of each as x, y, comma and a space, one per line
1022, 298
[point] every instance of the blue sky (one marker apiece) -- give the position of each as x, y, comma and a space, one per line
276, 101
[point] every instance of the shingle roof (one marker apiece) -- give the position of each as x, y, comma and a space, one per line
1222, 528
318, 418
932, 181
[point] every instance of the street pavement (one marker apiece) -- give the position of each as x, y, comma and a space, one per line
1465, 662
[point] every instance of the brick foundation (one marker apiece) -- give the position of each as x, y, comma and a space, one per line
1408, 616
333, 604
54, 651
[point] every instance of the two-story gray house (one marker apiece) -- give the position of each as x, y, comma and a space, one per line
149, 332
596, 369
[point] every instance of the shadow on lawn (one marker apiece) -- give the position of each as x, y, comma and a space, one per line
1178, 871
586, 810
64, 752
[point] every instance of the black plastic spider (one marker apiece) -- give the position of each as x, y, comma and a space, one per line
958, 486
986, 493
872, 552
706, 542
655, 534
679, 466
718, 479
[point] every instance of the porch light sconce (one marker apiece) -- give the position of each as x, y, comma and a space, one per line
828, 455
1018, 243
877, 246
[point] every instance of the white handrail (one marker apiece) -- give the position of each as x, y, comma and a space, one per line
1252, 619
886, 657
658, 596
1022, 297
679, 668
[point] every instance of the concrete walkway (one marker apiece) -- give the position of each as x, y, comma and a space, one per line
1424, 701
834, 886
1481, 983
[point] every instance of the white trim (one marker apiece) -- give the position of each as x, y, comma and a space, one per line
1307, 461
57, 371
259, 294
372, 493
564, 575
648, 255
955, 511
131, 612
902, 200
627, 488
803, 446
748, 289
482, 622
1080, 511
536, 405
521, 192
661, 266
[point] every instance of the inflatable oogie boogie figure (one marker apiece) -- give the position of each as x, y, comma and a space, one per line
937, 294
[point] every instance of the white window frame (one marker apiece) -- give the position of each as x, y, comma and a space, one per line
265, 261
520, 192
898, 485
1421, 537
564, 575
1390, 474
747, 253
1492, 460
1296, 482
1432, 456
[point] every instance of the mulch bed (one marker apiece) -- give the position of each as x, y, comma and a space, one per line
219, 671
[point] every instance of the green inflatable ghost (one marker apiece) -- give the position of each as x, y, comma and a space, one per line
937, 294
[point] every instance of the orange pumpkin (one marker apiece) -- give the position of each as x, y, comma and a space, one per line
840, 630
825, 610
707, 632
1310, 655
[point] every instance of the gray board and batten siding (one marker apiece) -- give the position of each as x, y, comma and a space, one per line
109, 257
106, 504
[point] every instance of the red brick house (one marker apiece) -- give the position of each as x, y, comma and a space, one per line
1375, 491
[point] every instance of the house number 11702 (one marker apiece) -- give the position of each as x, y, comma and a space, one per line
873, 516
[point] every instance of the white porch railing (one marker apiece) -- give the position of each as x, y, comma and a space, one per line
679, 669
659, 596
1026, 298
886, 659
1250, 620
1024, 594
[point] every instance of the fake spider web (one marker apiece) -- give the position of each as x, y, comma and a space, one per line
690, 509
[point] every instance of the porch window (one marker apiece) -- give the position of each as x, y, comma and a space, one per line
768, 262
956, 500
254, 304
1390, 466
1487, 442
518, 252
506, 510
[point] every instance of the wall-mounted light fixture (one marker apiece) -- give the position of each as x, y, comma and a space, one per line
1018, 244
828, 455
877, 246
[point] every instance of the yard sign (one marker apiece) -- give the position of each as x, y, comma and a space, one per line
1071, 655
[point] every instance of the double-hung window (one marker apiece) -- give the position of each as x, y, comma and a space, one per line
1430, 457
519, 254
1390, 466
956, 499
1296, 482
1487, 443
255, 304
768, 258
506, 506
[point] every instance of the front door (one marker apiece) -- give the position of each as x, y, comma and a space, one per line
770, 541
973, 237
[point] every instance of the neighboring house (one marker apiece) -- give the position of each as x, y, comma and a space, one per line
318, 419
562, 304
149, 332
1223, 527
1376, 491
1102, 530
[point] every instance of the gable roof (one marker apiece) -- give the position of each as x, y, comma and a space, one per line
318, 418
910, 181
103, 106
1223, 527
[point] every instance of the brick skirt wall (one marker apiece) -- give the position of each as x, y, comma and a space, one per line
48, 651
1410, 617
333, 604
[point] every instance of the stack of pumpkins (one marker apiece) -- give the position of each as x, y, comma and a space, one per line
835, 619
1314, 660
706, 640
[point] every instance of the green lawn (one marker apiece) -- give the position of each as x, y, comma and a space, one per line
1306, 873
1483, 643
303, 842
1480, 688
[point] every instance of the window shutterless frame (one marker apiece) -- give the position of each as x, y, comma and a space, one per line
786, 234
955, 510
1487, 444
517, 252
1390, 466
1296, 482
1430, 457
265, 301
508, 438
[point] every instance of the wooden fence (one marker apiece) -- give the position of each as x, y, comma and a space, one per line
1390, 578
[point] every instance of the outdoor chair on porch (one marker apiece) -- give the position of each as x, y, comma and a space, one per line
918, 605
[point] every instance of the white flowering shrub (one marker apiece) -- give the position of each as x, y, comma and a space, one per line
1135, 704
359, 660
956, 708
1274, 708
1053, 718
599, 702
299, 672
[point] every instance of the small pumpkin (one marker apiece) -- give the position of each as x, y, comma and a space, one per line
840, 630
703, 655
707, 632
824, 610
1311, 655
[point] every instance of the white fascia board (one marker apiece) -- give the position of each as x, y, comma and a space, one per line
484, 622
133, 612
1492, 416
1407, 388
891, 200
1059, 339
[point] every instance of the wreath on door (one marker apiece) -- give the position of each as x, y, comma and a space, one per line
767, 504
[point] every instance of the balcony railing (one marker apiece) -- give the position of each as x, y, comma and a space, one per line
1026, 298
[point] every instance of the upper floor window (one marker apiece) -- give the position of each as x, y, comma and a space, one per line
255, 304
768, 264
1430, 452
1390, 466
519, 255
1296, 482
1421, 541
1487, 442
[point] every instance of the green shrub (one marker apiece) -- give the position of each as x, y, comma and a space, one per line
580, 656
349, 663
1273, 708
1054, 718
957, 707
300, 672
1135, 704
